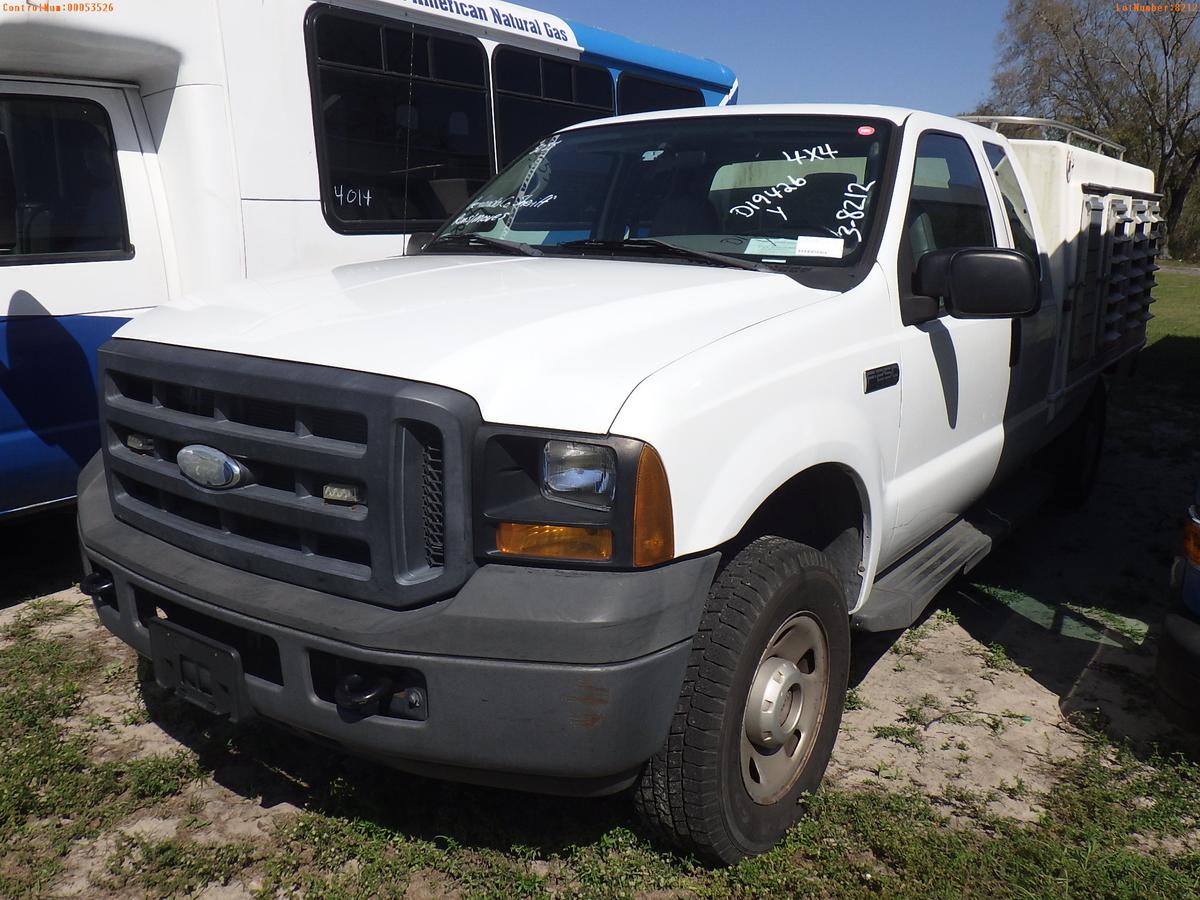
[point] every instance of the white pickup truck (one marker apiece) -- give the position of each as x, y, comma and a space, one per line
589, 491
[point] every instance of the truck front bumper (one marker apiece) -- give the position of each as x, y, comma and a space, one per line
542, 679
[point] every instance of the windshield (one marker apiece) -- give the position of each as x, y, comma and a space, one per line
780, 190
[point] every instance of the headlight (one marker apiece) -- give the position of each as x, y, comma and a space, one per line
581, 474
598, 500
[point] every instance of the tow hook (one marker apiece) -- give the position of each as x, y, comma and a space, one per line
98, 585
357, 694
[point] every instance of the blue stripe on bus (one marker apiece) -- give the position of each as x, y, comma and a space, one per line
623, 53
48, 404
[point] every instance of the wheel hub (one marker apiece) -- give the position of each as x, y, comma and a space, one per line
775, 703
784, 707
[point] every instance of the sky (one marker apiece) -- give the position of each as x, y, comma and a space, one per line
935, 55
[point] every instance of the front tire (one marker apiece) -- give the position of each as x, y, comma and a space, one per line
760, 707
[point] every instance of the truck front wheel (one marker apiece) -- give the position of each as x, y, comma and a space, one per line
760, 706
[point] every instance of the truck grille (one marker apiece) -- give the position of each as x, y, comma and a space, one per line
433, 512
396, 447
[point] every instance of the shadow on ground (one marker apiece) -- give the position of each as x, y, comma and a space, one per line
39, 555
1076, 597
274, 765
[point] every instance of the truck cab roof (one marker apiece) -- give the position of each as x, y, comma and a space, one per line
895, 114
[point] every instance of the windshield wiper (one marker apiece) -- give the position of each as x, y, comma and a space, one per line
665, 248
482, 240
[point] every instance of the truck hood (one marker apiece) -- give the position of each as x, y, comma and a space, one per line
554, 342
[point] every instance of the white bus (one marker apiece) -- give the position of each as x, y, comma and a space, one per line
153, 148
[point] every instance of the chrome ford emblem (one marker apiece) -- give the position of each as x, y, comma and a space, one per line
209, 467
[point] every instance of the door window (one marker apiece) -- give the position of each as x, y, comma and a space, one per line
60, 191
947, 206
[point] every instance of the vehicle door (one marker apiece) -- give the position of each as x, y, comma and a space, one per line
80, 254
955, 372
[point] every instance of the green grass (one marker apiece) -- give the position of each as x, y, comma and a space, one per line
52, 794
855, 700
158, 777
995, 658
908, 646
905, 735
172, 868
920, 715
1179, 263
1171, 359
1131, 629
860, 843
866, 842
1177, 305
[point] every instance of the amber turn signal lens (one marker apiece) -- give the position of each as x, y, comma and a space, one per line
653, 524
554, 541
1191, 539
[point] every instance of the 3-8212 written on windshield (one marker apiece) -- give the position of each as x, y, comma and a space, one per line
854, 208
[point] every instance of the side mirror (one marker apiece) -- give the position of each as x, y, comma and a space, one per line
8, 199
417, 242
980, 282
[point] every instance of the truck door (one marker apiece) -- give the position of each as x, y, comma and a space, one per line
954, 372
80, 254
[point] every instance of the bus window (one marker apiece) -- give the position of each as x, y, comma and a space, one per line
402, 122
61, 186
536, 95
349, 41
635, 95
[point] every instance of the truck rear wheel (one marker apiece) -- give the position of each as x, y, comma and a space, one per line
760, 706
1074, 457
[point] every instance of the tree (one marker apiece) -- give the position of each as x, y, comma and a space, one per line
1129, 74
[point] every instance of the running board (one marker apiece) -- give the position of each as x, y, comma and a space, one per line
901, 593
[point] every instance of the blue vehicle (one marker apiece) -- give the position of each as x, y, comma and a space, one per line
165, 149
1179, 647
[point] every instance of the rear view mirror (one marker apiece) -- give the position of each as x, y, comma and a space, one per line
980, 282
8, 199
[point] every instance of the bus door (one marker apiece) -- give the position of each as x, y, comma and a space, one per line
80, 253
